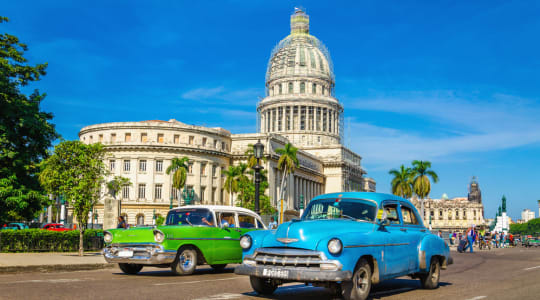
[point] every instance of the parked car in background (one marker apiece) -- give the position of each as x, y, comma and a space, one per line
346, 241
56, 227
192, 235
15, 226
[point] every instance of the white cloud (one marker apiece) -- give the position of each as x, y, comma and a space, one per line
502, 122
220, 94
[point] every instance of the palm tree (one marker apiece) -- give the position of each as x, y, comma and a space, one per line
115, 185
179, 169
402, 181
421, 183
243, 180
231, 181
287, 163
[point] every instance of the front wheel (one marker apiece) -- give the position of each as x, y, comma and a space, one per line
360, 285
431, 280
263, 286
130, 269
185, 262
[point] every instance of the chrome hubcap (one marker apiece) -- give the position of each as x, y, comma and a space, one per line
434, 273
186, 260
362, 281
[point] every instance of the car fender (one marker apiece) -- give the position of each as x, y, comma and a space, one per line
432, 245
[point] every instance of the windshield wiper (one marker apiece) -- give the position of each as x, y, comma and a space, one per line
348, 217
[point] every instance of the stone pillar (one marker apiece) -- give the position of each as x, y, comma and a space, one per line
272, 184
219, 186
209, 184
299, 114
197, 181
110, 213
284, 121
290, 190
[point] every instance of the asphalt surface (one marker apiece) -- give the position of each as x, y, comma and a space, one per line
496, 274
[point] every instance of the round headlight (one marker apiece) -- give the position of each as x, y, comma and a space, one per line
158, 236
335, 246
107, 237
245, 242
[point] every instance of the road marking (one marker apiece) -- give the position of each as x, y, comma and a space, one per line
224, 296
198, 281
61, 280
391, 291
477, 298
526, 269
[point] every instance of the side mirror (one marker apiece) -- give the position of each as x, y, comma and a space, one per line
384, 219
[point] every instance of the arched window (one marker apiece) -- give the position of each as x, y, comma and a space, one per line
280, 89
140, 219
302, 87
314, 88
290, 87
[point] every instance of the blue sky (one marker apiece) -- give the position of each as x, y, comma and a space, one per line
453, 82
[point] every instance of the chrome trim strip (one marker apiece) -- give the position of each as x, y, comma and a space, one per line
203, 239
376, 245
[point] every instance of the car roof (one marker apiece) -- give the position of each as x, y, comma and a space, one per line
219, 207
377, 197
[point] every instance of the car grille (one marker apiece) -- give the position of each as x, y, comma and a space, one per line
287, 257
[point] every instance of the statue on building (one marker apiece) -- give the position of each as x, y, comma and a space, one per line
499, 212
474, 191
504, 203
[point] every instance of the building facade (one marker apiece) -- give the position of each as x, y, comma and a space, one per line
299, 108
527, 215
454, 214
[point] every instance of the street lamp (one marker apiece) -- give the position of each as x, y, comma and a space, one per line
258, 150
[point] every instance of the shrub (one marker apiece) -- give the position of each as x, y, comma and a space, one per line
34, 240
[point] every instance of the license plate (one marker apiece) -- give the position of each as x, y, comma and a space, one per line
276, 273
125, 253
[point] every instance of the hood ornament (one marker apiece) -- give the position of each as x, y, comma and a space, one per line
287, 240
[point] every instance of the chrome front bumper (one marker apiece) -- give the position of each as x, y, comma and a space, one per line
292, 265
143, 254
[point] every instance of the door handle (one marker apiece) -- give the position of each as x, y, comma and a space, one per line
403, 229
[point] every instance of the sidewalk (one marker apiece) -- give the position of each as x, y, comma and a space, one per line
51, 261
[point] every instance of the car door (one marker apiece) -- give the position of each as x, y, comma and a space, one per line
227, 246
395, 256
414, 232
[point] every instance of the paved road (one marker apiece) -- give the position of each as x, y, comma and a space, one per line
495, 274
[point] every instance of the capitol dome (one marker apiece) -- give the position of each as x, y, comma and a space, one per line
300, 54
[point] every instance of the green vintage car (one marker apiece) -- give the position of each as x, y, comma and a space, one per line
192, 235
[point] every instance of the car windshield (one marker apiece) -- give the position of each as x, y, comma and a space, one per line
190, 216
341, 209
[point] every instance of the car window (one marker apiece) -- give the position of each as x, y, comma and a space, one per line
391, 213
259, 224
408, 216
246, 221
227, 218
190, 216
355, 209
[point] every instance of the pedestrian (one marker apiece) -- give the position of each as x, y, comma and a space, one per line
470, 239
121, 222
273, 223
439, 234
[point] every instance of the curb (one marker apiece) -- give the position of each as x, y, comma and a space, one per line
54, 268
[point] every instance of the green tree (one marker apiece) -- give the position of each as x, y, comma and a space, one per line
421, 183
179, 169
402, 183
231, 181
287, 163
76, 171
25, 133
243, 181
115, 185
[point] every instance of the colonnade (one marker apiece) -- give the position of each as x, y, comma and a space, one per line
300, 117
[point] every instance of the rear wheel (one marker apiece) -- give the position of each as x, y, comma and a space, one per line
219, 267
360, 285
431, 280
185, 262
130, 269
263, 286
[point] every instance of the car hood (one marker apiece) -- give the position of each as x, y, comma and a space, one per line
308, 234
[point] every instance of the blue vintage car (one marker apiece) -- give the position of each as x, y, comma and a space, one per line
347, 242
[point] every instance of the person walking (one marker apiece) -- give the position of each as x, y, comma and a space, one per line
272, 224
470, 239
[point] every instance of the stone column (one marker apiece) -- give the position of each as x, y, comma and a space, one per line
209, 180
290, 190
219, 186
197, 181
272, 184
284, 122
